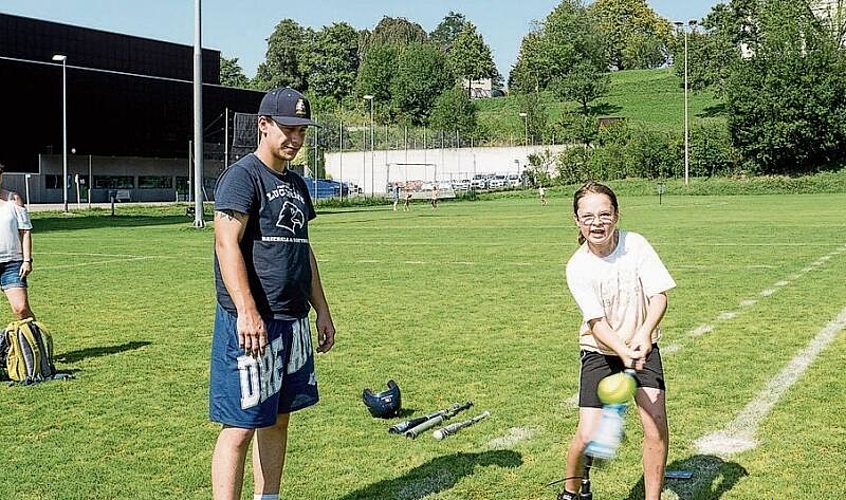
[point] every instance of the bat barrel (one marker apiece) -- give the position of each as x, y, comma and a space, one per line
453, 428
415, 431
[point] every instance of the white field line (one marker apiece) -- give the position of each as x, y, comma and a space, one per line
430, 263
746, 304
515, 435
552, 243
98, 262
739, 434
80, 254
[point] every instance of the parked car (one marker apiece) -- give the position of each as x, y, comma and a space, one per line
478, 182
462, 185
513, 181
498, 182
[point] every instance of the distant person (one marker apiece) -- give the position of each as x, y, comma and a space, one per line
406, 204
396, 192
620, 286
262, 366
434, 200
15, 250
542, 195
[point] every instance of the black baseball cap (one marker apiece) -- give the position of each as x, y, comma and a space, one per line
287, 107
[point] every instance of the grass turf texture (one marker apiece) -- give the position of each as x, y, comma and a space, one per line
464, 303
652, 99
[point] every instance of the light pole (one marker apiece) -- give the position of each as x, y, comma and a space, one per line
199, 221
372, 160
525, 117
64, 60
525, 139
680, 25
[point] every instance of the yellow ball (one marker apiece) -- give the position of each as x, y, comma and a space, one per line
616, 389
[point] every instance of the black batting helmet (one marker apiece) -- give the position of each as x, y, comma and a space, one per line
383, 404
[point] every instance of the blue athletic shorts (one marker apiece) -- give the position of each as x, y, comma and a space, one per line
596, 366
10, 275
250, 392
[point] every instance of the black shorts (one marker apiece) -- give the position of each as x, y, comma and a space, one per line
596, 366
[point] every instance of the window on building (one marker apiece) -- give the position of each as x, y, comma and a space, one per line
155, 182
181, 183
114, 182
53, 181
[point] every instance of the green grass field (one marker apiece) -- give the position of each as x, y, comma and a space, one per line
653, 99
466, 303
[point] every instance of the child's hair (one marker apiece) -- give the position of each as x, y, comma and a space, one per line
591, 187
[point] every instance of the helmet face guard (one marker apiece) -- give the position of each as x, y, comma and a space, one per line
385, 404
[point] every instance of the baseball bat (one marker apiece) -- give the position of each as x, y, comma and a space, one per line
453, 428
437, 419
401, 427
425, 426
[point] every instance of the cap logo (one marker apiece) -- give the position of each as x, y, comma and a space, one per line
300, 108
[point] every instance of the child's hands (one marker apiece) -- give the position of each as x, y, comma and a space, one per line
632, 358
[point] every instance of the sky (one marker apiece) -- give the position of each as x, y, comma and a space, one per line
240, 28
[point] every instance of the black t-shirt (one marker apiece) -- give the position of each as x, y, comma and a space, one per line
275, 243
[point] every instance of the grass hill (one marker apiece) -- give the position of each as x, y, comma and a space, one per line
651, 98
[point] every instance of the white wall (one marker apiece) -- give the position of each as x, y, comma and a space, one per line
426, 164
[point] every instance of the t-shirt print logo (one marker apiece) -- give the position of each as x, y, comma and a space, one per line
290, 217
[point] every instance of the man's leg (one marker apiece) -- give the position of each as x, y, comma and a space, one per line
656, 439
588, 419
228, 462
269, 456
19, 301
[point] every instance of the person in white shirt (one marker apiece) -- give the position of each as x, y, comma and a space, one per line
619, 284
15, 250
542, 195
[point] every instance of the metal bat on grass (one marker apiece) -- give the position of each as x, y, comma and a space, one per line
401, 427
437, 419
453, 428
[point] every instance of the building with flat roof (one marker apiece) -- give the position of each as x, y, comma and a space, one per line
129, 111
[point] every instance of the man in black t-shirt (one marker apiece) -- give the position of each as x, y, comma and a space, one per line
266, 277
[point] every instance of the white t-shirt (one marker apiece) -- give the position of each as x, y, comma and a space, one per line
616, 287
13, 218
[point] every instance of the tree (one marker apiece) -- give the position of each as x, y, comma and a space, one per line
396, 30
470, 57
376, 73
584, 85
536, 115
281, 67
231, 73
453, 110
637, 37
421, 76
330, 63
448, 30
786, 102
715, 49
567, 36
646, 51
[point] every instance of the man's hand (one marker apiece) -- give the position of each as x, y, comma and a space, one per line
252, 335
325, 332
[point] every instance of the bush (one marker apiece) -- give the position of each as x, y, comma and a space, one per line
573, 165
712, 153
652, 155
